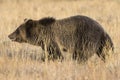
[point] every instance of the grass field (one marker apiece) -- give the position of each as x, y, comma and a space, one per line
21, 61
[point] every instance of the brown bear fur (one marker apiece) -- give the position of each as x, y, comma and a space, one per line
79, 35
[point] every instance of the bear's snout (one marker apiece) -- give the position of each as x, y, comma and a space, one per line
12, 37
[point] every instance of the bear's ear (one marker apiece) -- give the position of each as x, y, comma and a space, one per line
25, 19
47, 21
29, 22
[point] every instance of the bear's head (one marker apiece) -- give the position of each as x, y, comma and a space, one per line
31, 31
24, 33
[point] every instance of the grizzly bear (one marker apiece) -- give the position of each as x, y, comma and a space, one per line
78, 35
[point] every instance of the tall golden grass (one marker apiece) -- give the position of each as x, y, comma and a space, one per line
21, 61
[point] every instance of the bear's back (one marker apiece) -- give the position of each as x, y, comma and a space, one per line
68, 30
76, 22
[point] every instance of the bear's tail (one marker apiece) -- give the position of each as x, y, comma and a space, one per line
105, 46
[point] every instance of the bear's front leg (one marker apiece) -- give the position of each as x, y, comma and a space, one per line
54, 52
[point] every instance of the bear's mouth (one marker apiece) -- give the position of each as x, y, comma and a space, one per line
14, 39
17, 40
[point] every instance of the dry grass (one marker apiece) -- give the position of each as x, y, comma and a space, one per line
21, 61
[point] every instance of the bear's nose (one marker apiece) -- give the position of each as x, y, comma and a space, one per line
11, 37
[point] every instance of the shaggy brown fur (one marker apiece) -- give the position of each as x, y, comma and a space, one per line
79, 35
